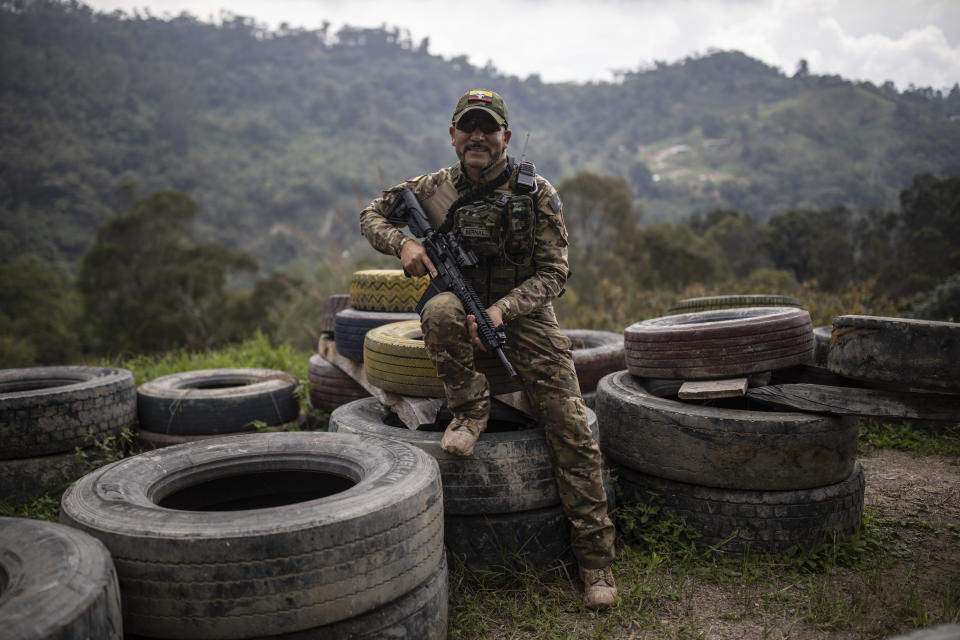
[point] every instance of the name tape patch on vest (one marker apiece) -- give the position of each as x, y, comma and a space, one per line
475, 232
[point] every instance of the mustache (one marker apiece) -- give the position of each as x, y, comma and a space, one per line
477, 146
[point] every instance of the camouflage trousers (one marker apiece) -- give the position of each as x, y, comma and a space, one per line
540, 353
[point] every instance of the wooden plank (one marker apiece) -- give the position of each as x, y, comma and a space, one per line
707, 389
855, 401
412, 411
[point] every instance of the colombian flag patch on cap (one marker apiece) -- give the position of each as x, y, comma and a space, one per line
479, 95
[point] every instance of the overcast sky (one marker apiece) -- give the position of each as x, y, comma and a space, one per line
566, 40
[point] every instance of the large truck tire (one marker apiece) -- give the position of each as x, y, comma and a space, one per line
730, 444
217, 401
719, 344
910, 353
386, 290
47, 410
351, 327
58, 583
734, 521
395, 359
263, 534
329, 386
509, 471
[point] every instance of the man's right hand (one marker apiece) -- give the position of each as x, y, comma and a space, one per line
415, 260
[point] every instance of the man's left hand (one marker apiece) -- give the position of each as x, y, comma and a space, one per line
496, 317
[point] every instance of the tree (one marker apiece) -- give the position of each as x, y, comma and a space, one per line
930, 209
38, 316
738, 236
147, 287
813, 245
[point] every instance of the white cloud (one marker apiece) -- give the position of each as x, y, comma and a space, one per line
876, 40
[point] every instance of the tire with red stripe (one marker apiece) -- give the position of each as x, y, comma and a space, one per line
718, 344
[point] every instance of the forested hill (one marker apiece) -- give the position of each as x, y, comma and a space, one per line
281, 136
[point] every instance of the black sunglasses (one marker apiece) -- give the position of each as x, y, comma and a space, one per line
468, 124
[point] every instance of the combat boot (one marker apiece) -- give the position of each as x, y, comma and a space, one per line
461, 435
599, 589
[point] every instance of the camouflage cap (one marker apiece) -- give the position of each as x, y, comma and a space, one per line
488, 101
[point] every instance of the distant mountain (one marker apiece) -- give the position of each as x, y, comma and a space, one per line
282, 136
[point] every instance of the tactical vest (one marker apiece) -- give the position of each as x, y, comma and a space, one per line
500, 228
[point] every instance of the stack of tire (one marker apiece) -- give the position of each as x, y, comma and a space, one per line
48, 413
329, 387
501, 503
741, 475
377, 297
209, 403
280, 535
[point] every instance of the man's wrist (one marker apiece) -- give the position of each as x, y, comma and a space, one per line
403, 240
504, 307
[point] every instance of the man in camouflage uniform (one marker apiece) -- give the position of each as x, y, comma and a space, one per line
519, 236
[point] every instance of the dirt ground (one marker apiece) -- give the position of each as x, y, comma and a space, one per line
919, 498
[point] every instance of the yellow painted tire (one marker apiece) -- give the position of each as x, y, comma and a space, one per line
386, 290
395, 359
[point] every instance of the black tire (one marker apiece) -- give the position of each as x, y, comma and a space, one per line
719, 344
386, 290
25, 479
499, 540
419, 614
595, 354
710, 303
912, 353
762, 521
261, 534
395, 359
351, 328
510, 469
821, 345
46, 410
57, 583
329, 386
731, 443
216, 401
332, 305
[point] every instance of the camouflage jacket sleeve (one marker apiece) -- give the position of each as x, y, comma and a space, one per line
549, 257
384, 236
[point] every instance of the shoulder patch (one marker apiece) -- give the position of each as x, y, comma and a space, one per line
417, 179
555, 203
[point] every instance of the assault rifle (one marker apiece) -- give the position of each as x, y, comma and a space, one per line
450, 257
